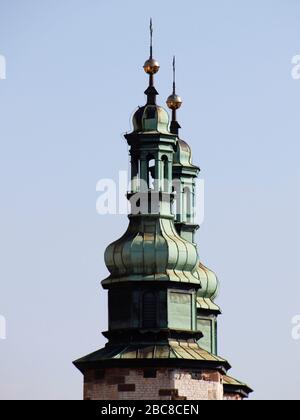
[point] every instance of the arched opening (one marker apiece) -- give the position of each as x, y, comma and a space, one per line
135, 174
165, 174
149, 310
150, 172
174, 204
187, 204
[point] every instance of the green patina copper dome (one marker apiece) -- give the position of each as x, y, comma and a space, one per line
183, 155
151, 118
209, 289
155, 254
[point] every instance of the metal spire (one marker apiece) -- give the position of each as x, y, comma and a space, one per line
151, 67
151, 39
174, 102
174, 75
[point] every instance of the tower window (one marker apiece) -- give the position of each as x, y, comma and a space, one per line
149, 310
151, 172
187, 199
135, 174
165, 173
119, 314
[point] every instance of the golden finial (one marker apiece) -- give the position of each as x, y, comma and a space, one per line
174, 101
151, 66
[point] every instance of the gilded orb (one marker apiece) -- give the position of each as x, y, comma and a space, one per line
174, 101
151, 66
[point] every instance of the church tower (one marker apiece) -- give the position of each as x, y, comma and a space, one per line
162, 327
184, 177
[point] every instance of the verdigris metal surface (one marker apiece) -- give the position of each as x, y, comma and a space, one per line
172, 350
160, 295
232, 385
151, 249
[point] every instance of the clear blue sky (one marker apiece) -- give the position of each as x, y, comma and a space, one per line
74, 77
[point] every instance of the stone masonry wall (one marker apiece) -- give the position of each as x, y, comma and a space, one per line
150, 384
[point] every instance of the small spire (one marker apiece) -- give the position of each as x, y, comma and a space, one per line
151, 67
174, 75
174, 102
151, 39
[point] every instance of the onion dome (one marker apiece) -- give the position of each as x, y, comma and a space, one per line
158, 253
151, 118
209, 289
183, 155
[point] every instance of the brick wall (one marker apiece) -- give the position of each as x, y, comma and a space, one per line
145, 384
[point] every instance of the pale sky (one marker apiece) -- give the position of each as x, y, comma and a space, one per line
73, 79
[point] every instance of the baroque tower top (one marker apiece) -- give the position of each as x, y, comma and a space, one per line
160, 296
